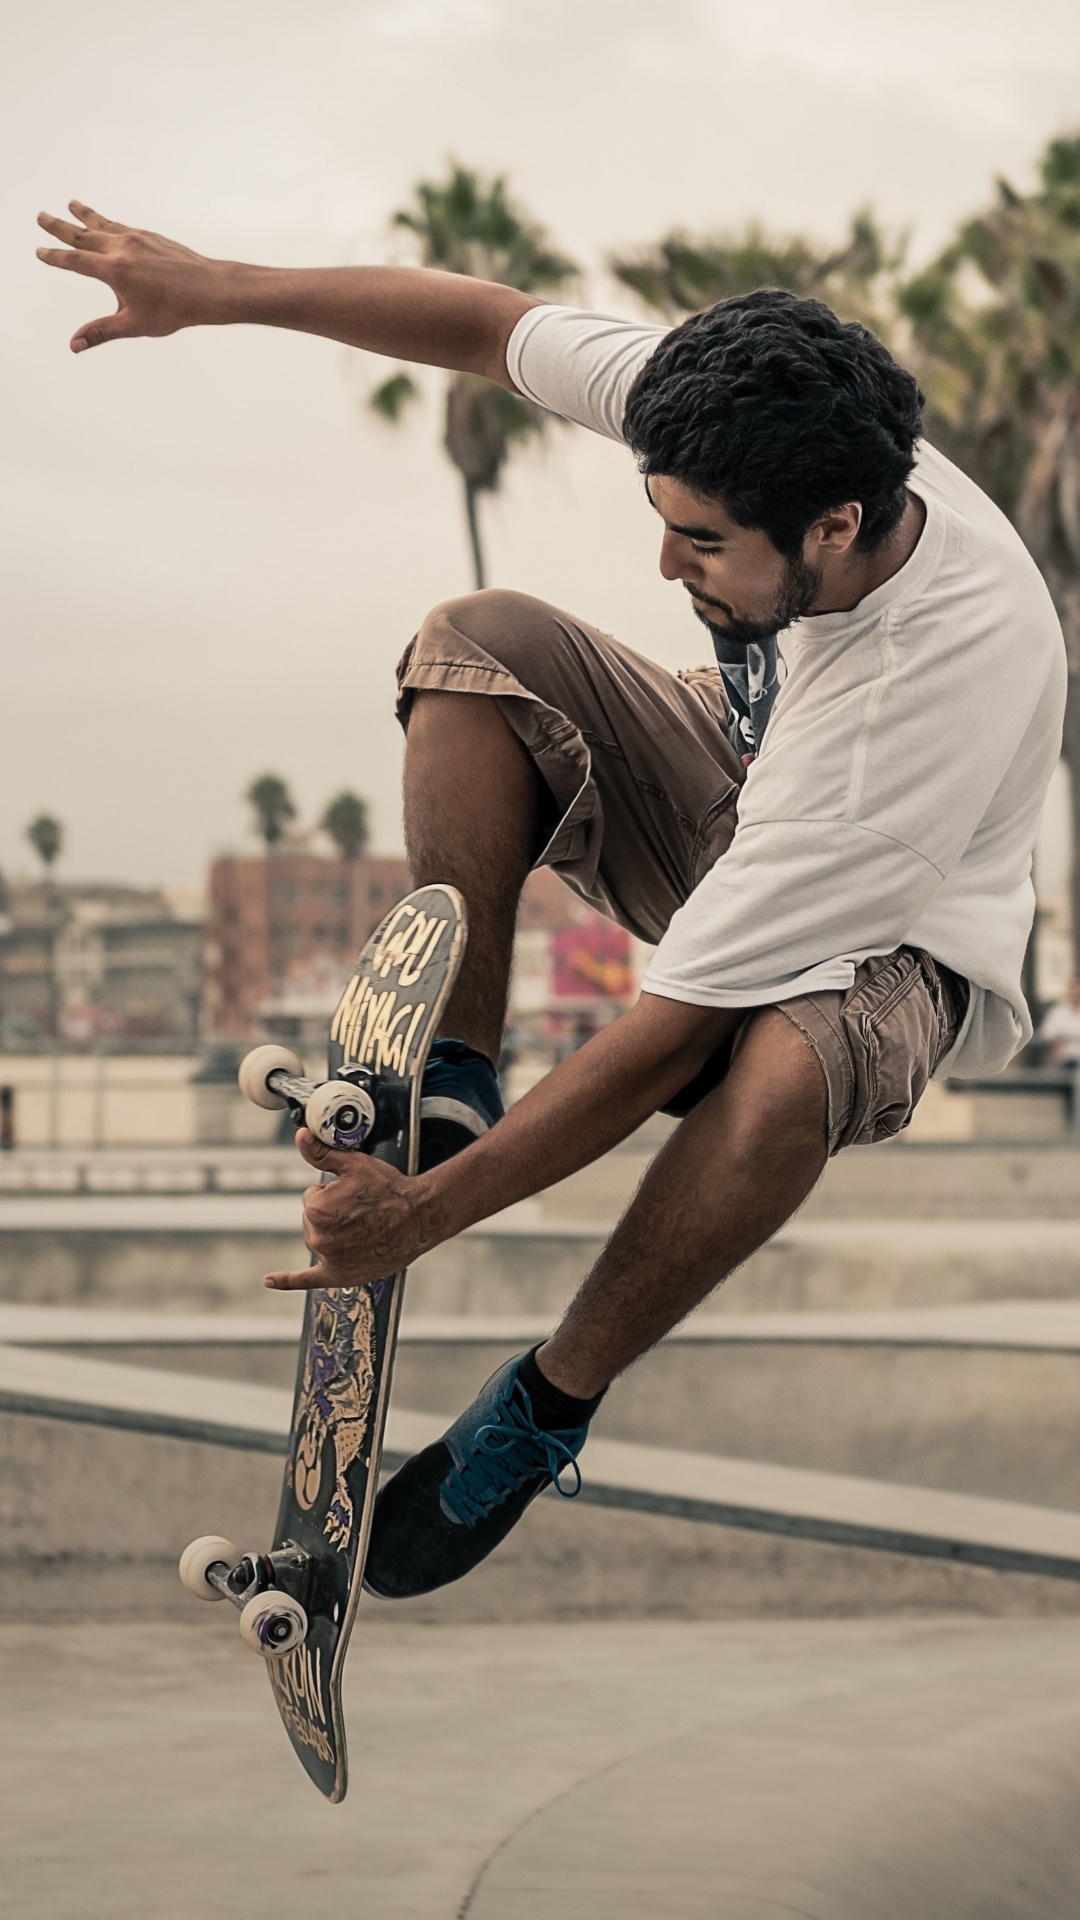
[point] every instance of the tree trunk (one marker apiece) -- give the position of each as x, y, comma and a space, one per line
1071, 751
473, 519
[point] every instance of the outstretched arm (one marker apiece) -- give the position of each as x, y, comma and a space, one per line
439, 319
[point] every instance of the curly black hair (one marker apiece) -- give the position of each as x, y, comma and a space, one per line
771, 405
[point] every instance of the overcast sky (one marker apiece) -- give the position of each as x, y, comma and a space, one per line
212, 556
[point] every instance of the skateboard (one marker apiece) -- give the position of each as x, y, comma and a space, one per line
298, 1601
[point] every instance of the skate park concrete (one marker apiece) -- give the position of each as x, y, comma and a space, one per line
106, 1460
894, 1226
858, 1770
622, 1712
979, 1398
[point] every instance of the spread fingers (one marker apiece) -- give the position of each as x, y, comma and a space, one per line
72, 236
96, 221
74, 262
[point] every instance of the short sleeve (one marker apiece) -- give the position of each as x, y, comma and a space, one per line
580, 365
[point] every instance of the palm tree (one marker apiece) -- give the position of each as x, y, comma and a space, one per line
346, 822
46, 836
680, 275
469, 225
995, 340
273, 806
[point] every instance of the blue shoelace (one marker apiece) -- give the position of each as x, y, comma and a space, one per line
509, 1449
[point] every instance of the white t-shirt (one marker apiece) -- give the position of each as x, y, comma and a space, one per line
898, 792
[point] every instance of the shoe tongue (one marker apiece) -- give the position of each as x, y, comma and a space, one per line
452, 1050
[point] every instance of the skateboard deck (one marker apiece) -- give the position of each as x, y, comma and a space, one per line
299, 1600
384, 1022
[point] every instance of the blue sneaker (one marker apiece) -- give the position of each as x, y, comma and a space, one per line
450, 1505
459, 1101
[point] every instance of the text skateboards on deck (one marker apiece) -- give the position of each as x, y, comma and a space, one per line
298, 1601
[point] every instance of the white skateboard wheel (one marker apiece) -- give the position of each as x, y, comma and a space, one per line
202, 1554
273, 1623
340, 1115
254, 1068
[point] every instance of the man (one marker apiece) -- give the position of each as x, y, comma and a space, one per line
835, 860
1060, 1029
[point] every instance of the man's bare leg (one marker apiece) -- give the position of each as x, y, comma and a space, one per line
734, 1171
737, 1168
474, 807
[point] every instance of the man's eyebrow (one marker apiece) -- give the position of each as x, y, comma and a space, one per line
696, 533
712, 534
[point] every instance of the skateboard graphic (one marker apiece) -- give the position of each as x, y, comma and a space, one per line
298, 1601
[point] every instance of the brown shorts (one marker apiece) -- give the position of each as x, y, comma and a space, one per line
644, 786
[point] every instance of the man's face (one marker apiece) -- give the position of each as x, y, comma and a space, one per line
739, 584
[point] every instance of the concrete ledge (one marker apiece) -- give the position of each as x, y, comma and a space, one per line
206, 1251
187, 1213
981, 1400
833, 1508
1021, 1326
143, 1400
153, 1170
270, 1211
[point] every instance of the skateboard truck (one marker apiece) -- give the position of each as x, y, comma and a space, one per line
268, 1589
340, 1112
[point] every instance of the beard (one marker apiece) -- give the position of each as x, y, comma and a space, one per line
797, 593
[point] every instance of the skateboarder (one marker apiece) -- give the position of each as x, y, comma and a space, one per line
828, 834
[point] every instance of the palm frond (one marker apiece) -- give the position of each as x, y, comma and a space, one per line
391, 398
470, 225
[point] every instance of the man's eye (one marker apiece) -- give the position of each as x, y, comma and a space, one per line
698, 548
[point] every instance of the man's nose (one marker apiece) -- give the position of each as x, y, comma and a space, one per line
676, 559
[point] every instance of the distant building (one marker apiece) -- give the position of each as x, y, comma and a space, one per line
284, 929
282, 935
574, 972
103, 967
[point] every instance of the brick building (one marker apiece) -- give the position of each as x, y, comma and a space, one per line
97, 965
283, 931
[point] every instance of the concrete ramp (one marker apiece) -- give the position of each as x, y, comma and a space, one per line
934, 1781
836, 1508
814, 1770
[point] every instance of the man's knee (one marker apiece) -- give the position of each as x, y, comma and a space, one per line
482, 616
496, 633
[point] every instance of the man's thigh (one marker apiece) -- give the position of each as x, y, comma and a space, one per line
643, 779
880, 1040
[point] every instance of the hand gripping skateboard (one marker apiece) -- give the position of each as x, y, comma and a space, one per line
298, 1601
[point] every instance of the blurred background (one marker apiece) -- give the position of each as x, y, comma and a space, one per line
216, 546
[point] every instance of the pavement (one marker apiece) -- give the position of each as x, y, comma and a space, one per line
684, 1758
835, 1770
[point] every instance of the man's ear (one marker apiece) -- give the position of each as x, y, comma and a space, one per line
836, 531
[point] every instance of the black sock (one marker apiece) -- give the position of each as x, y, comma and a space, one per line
457, 1050
554, 1408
